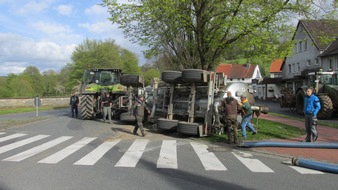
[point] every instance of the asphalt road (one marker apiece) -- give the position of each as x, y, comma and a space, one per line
66, 153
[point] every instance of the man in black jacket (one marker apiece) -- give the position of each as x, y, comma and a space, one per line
138, 110
74, 102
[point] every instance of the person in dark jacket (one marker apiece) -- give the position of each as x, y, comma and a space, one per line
311, 109
107, 105
247, 116
138, 111
74, 102
231, 106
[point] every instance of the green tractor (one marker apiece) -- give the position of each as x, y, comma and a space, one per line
97, 82
326, 88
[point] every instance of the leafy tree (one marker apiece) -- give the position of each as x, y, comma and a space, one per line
50, 81
35, 79
5, 92
22, 87
149, 75
100, 54
197, 33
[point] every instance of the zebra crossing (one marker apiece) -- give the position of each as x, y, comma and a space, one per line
167, 157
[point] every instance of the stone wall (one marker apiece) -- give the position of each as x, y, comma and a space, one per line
7, 103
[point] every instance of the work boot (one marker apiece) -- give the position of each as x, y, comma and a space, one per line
143, 133
135, 132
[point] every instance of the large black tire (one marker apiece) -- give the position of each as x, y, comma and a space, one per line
87, 107
126, 117
187, 128
171, 76
132, 80
300, 102
166, 124
326, 105
192, 75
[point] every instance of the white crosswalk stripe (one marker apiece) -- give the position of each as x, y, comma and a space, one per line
208, 159
168, 155
96, 154
133, 154
1, 133
57, 157
21, 143
11, 137
31, 152
253, 165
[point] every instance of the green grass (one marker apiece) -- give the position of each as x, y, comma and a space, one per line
26, 109
266, 130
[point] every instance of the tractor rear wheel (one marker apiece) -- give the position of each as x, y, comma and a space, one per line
300, 102
167, 124
326, 105
187, 128
171, 76
87, 107
132, 80
192, 75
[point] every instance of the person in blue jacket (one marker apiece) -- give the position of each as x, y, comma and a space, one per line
311, 109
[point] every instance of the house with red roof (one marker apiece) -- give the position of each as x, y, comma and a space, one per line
240, 72
276, 68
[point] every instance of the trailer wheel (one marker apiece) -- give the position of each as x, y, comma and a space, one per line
87, 107
326, 105
166, 124
132, 80
171, 76
187, 128
300, 102
126, 117
192, 75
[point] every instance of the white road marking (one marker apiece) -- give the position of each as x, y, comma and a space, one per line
1, 133
33, 151
11, 137
62, 154
305, 170
208, 159
133, 154
168, 155
96, 154
21, 143
253, 165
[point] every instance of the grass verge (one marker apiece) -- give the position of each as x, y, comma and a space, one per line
27, 109
266, 130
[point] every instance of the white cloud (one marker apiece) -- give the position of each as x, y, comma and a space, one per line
49, 28
65, 9
19, 52
32, 7
96, 10
99, 27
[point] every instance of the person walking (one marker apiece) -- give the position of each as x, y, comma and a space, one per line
107, 105
311, 109
246, 116
232, 107
138, 111
74, 102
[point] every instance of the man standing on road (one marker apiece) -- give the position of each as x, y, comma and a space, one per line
74, 102
231, 109
247, 116
107, 104
138, 110
311, 109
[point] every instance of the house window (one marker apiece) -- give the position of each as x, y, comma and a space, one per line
308, 63
305, 45
293, 68
289, 68
316, 61
296, 50
336, 63
330, 64
298, 67
300, 47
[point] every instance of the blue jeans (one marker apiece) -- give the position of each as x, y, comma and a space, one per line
246, 123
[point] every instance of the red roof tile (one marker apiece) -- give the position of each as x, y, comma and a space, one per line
235, 71
276, 66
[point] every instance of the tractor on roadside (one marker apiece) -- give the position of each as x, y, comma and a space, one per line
97, 82
326, 88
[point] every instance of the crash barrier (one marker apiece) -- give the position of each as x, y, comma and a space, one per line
290, 145
324, 167
29, 102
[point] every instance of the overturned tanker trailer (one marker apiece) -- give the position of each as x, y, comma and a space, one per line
189, 101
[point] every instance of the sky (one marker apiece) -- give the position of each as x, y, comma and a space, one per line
44, 33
